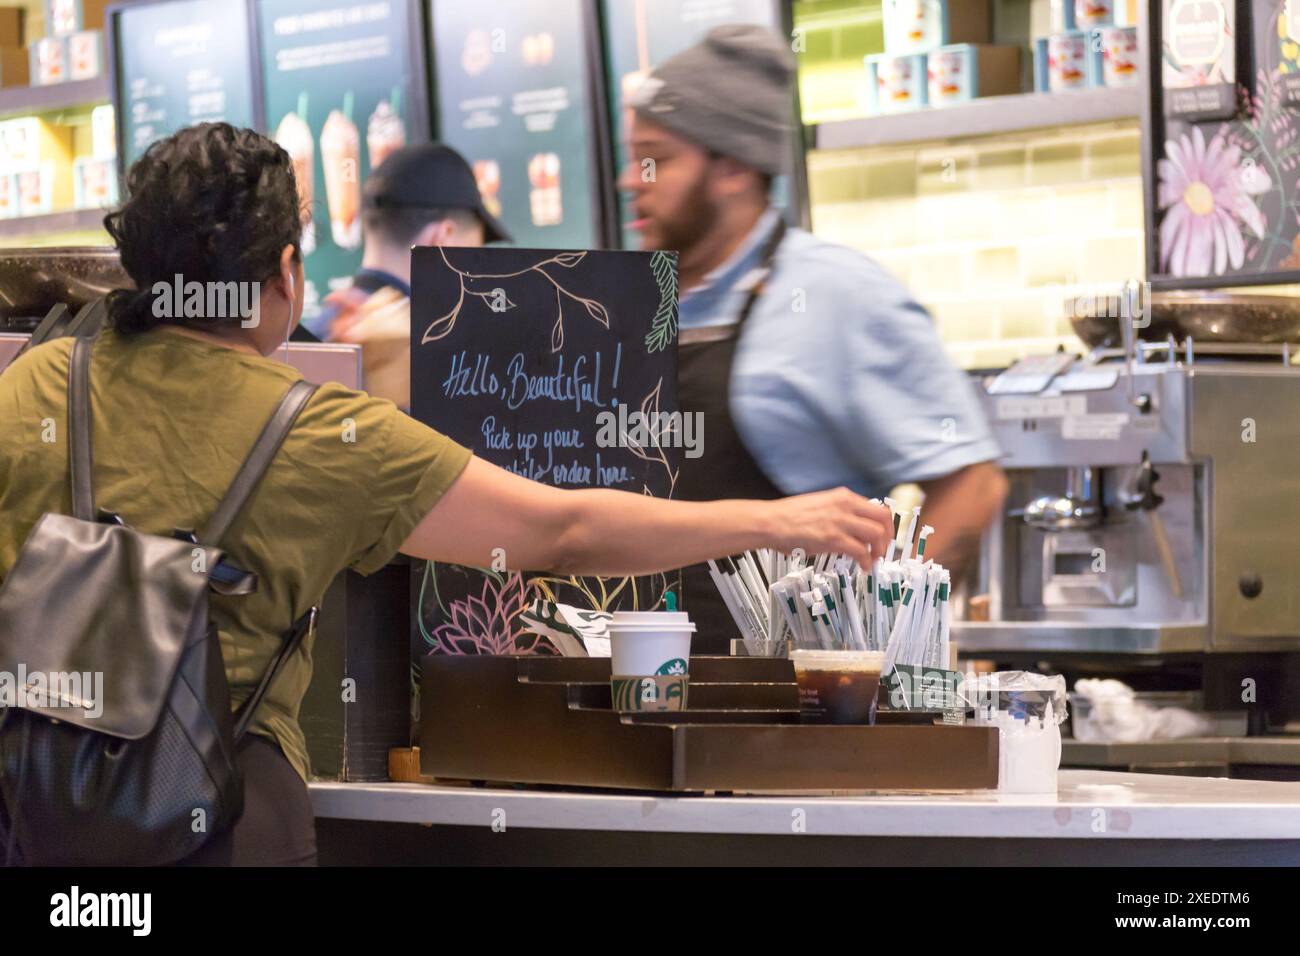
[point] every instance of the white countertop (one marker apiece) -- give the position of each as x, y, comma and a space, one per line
1088, 804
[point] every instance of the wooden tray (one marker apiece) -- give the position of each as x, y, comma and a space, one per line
544, 720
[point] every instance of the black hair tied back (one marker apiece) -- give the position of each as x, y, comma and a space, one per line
131, 309
211, 203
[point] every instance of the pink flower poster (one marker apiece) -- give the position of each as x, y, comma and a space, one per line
1226, 191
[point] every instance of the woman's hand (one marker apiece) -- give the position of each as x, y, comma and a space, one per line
836, 521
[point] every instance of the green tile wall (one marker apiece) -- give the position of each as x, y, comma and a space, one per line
992, 235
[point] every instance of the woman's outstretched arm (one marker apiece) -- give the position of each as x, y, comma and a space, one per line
615, 533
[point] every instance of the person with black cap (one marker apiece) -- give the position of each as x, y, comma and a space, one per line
811, 366
421, 195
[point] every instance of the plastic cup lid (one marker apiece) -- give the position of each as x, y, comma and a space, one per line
651, 621
838, 660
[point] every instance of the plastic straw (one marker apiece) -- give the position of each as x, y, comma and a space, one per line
911, 527
899, 606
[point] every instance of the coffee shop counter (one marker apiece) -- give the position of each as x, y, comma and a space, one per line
1096, 817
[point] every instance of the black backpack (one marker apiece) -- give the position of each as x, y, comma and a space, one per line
142, 772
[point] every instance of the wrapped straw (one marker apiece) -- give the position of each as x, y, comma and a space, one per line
898, 605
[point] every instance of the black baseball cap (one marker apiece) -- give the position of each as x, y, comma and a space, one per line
430, 176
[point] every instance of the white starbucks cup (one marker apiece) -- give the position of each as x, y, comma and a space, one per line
644, 643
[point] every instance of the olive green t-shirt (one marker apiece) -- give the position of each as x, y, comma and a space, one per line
174, 418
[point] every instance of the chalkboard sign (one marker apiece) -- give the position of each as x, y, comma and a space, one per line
176, 64
560, 366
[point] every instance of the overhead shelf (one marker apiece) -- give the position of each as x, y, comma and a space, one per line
72, 220
982, 117
56, 96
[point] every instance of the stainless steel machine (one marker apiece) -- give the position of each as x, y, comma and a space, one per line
1152, 527
1154, 503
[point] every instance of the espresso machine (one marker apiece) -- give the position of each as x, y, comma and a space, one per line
1151, 530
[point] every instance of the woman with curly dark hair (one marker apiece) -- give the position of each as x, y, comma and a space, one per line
179, 390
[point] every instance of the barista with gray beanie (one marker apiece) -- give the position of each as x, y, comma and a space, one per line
811, 365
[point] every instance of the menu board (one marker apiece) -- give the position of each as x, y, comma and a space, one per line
1223, 192
515, 92
641, 34
558, 366
337, 83
177, 64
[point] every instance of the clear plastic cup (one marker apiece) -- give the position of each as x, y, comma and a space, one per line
837, 687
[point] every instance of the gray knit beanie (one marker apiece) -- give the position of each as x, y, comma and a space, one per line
730, 93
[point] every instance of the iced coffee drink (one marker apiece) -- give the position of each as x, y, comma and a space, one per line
487, 176
385, 133
340, 152
294, 135
544, 197
837, 687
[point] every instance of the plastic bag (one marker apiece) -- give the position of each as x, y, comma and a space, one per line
1028, 710
1022, 694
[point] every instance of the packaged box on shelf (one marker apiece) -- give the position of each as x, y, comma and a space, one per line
36, 190
103, 136
1063, 16
919, 26
14, 67
963, 71
1093, 13
38, 154
11, 26
85, 55
895, 84
49, 60
29, 140
94, 182
1062, 62
8, 194
1114, 53
63, 17
1070, 15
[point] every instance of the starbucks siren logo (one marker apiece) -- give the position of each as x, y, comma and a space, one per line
674, 667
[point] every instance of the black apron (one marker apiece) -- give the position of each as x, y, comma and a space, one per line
726, 469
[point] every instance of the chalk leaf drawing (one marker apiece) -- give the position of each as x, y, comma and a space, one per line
486, 623
663, 328
495, 299
658, 429
480, 284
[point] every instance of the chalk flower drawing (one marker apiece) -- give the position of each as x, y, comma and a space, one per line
473, 283
663, 327
489, 623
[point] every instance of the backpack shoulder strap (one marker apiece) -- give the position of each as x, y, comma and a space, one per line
289, 644
259, 459
79, 457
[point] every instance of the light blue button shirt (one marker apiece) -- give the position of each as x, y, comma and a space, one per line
839, 377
